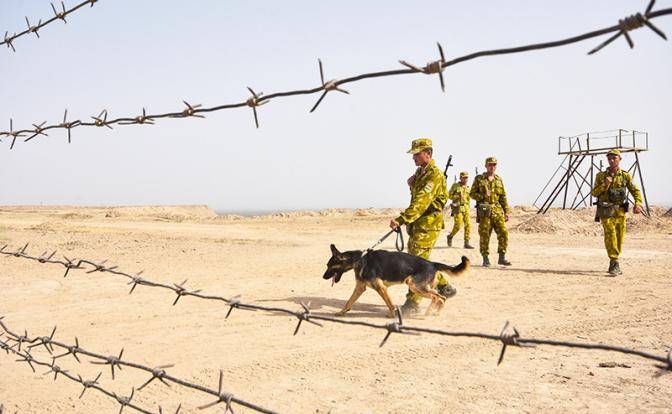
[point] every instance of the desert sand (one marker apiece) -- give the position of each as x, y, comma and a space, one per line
557, 288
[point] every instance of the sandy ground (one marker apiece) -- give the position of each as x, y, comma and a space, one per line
556, 289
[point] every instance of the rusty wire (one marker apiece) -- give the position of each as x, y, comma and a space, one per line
507, 337
157, 372
58, 15
255, 99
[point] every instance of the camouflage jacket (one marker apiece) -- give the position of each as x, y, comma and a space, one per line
428, 198
459, 194
492, 192
620, 180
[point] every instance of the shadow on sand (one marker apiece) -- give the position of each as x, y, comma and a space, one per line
329, 306
595, 273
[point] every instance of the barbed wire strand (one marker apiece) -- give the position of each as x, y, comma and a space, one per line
508, 337
256, 100
157, 373
25, 356
9, 40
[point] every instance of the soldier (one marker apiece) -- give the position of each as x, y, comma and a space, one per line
459, 194
424, 216
492, 211
611, 188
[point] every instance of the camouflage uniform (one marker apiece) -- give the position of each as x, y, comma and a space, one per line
424, 216
459, 194
614, 227
493, 193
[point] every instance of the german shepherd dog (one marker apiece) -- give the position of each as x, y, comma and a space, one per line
379, 269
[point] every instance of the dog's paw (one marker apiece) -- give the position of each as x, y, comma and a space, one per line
340, 313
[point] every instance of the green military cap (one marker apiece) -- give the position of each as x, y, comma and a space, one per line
464, 174
614, 152
420, 144
490, 160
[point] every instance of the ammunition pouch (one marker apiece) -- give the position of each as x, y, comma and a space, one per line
483, 210
605, 210
617, 195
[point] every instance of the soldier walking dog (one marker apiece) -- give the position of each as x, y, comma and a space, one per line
424, 215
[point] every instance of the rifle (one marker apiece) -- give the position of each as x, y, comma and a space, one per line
448, 164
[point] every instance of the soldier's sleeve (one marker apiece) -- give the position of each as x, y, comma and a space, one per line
474, 191
600, 185
503, 201
632, 187
454, 193
420, 200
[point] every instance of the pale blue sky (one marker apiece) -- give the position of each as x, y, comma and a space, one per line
123, 55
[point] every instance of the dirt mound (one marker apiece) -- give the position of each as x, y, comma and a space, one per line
163, 213
582, 222
564, 222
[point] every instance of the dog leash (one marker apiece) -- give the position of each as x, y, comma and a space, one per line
398, 243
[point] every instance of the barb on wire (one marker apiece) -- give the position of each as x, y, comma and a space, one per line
253, 102
222, 397
101, 119
329, 86
88, 384
506, 337
45, 341
629, 23
157, 372
12, 133
55, 369
8, 40
112, 361
140, 119
434, 67
304, 316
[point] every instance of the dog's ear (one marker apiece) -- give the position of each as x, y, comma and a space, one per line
334, 250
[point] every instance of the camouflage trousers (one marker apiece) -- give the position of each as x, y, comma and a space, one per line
497, 223
462, 218
614, 233
421, 244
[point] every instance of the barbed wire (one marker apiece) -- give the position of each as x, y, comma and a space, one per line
256, 100
157, 373
508, 337
26, 357
9, 40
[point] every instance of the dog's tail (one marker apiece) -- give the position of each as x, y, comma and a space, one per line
454, 270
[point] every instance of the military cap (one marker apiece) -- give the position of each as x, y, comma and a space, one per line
420, 144
614, 152
464, 174
490, 160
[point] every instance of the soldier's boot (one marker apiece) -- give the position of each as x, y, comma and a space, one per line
614, 268
447, 291
467, 245
486, 261
502, 260
450, 241
410, 308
